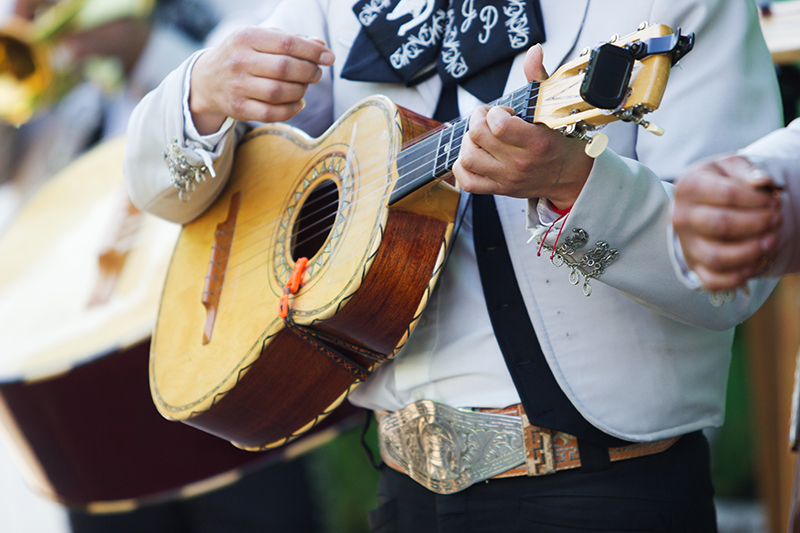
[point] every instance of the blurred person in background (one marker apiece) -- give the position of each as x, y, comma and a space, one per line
144, 49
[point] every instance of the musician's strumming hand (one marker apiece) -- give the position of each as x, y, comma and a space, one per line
503, 154
727, 216
256, 74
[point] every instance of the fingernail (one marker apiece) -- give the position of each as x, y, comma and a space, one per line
767, 243
756, 174
302, 104
327, 58
491, 118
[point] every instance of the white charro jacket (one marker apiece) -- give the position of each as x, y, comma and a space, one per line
643, 357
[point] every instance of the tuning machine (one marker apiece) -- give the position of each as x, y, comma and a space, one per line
636, 115
595, 145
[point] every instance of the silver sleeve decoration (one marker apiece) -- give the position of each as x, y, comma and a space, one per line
185, 176
591, 265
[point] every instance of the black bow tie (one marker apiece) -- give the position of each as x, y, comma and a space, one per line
471, 43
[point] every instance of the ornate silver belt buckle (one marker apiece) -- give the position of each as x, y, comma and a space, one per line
447, 449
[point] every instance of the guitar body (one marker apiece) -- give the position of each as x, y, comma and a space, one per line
76, 314
222, 358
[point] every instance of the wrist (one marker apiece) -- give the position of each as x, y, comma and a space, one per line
207, 119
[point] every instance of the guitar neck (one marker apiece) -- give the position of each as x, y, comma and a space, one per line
433, 157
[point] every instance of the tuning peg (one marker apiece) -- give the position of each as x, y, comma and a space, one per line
652, 128
596, 145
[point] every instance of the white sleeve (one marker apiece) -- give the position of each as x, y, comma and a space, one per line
779, 155
720, 97
157, 137
161, 135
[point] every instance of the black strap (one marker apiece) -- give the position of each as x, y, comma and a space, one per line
545, 403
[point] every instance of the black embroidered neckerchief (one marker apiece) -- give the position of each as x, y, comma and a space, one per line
471, 43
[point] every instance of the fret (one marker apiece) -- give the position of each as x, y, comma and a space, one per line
459, 129
415, 167
531, 99
443, 152
434, 157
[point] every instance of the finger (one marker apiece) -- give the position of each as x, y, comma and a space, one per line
257, 110
274, 41
532, 65
271, 91
725, 224
755, 177
720, 281
476, 164
285, 68
705, 185
728, 257
506, 127
496, 137
472, 182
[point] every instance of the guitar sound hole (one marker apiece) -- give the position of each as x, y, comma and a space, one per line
315, 220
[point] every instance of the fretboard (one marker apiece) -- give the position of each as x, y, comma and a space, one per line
433, 157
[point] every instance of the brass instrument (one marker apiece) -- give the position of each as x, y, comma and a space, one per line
31, 74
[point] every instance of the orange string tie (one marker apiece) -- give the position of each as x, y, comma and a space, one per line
291, 287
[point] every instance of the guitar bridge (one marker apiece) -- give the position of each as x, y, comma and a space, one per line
220, 252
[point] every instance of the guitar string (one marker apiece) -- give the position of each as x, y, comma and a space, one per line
324, 230
142, 237
426, 161
131, 241
568, 82
425, 164
363, 177
379, 185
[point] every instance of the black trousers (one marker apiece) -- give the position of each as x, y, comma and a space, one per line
274, 499
669, 491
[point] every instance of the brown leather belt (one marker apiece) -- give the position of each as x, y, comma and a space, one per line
447, 449
548, 451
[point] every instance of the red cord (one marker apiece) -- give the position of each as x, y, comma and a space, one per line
292, 286
560, 211
563, 216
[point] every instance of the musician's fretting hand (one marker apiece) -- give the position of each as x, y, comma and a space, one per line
727, 218
503, 154
255, 74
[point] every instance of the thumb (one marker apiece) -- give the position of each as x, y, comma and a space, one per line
534, 70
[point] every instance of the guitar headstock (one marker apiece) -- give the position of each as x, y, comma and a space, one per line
623, 79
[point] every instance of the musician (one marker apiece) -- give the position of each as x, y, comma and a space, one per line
642, 359
736, 216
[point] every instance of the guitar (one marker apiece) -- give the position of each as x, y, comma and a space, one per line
81, 280
370, 205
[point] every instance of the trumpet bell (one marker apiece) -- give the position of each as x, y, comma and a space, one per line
26, 73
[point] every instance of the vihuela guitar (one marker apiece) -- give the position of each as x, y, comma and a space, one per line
370, 205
